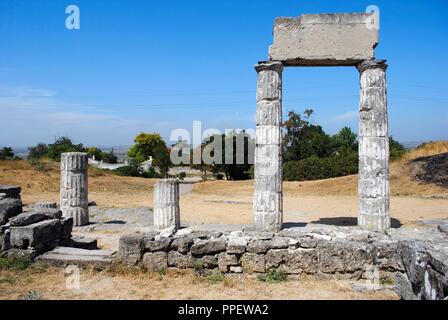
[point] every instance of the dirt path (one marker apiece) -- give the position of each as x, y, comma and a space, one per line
50, 284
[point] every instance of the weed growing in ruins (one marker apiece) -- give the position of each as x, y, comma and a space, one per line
31, 295
198, 266
273, 276
17, 263
216, 277
8, 280
389, 281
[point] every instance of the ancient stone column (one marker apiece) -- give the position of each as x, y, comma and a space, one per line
268, 194
74, 191
166, 204
373, 185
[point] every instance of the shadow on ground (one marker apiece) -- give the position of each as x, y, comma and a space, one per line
350, 221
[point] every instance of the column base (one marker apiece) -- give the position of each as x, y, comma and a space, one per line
80, 215
268, 221
374, 222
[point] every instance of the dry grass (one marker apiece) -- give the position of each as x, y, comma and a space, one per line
181, 284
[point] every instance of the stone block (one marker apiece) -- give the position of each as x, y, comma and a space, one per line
10, 191
179, 260
203, 247
182, 244
344, 257
66, 228
27, 218
161, 244
38, 235
268, 135
9, 208
236, 245
226, 260
155, 261
86, 243
324, 39
45, 205
130, 248
258, 246
252, 262
208, 261
301, 261
269, 85
269, 113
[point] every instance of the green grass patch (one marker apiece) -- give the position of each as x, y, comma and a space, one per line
17, 263
31, 295
216, 277
273, 276
8, 280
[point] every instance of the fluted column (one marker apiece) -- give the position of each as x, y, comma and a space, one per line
268, 194
166, 204
74, 190
373, 185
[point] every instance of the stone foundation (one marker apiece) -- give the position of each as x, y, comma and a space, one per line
419, 268
33, 232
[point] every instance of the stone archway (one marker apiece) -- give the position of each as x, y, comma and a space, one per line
324, 40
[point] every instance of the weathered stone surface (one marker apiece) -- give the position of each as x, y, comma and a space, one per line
226, 260
86, 243
40, 236
236, 245
373, 212
279, 243
10, 191
203, 247
5, 241
324, 39
51, 213
276, 258
345, 257
166, 204
387, 256
66, 228
162, 244
208, 261
131, 248
64, 256
236, 269
27, 218
258, 246
176, 259
74, 187
182, 244
302, 261
9, 208
155, 261
268, 196
252, 262
45, 205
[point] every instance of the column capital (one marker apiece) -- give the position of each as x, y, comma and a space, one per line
371, 64
269, 65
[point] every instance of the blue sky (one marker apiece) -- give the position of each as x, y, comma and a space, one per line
155, 66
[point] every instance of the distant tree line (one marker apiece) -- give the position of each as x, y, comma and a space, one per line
64, 144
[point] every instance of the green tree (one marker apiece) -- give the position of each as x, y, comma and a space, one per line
6, 153
148, 145
238, 168
94, 151
61, 145
396, 149
38, 151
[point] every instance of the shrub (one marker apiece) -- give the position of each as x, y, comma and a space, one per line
396, 149
273, 276
38, 151
312, 168
15, 263
134, 171
182, 175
